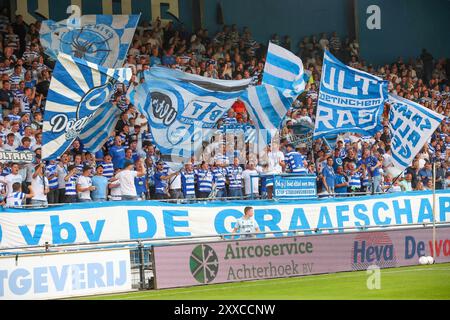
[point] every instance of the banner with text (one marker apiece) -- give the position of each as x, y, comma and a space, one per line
295, 187
230, 261
411, 126
350, 100
77, 223
50, 276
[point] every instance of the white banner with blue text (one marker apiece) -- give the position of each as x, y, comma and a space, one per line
59, 275
144, 220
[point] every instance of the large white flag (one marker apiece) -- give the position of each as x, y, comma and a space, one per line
411, 126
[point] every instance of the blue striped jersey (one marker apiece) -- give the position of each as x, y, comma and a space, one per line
79, 170
204, 180
220, 175
50, 170
295, 162
188, 183
25, 105
147, 136
234, 176
355, 180
71, 186
14, 79
365, 180
15, 199
108, 169
13, 117
18, 94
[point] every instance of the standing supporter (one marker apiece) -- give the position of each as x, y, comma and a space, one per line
84, 185
117, 153
234, 179
276, 165
220, 177
341, 184
12, 178
188, 181
40, 187
62, 171
114, 188
161, 178
329, 176
108, 166
204, 178
100, 182
16, 197
52, 176
126, 179
141, 183
175, 189
251, 181
295, 161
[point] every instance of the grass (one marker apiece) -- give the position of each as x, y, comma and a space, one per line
407, 283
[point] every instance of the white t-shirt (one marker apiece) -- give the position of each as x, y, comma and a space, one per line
84, 182
116, 195
126, 180
62, 173
274, 162
37, 184
247, 176
246, 225
10, 179
175, 182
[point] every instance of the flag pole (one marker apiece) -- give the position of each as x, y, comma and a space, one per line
393, 182
434, 210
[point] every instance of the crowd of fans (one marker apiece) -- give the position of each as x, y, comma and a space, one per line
129, 166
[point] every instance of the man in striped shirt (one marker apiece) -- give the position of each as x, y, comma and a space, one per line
108, 166
295, 161
234, 178
15, 199
205, 179
16, 77
220, 173
188, 181
71, 185
52, 176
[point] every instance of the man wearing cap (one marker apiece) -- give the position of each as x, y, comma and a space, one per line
100, 182
126, 178
161, 178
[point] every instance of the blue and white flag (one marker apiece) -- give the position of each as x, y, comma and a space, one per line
284, 70
180, 107
100, 39
100, 128
77, 90
350, 100
411, 126
283, 81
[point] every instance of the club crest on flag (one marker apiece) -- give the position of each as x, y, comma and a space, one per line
77, 90
180, 107
100, 39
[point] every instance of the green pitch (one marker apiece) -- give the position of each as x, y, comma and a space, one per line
419, 282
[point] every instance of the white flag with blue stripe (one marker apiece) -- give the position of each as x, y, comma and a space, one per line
350, 100
181, 107
283, 80
100, 39
411, 126
284, 70
77, 90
